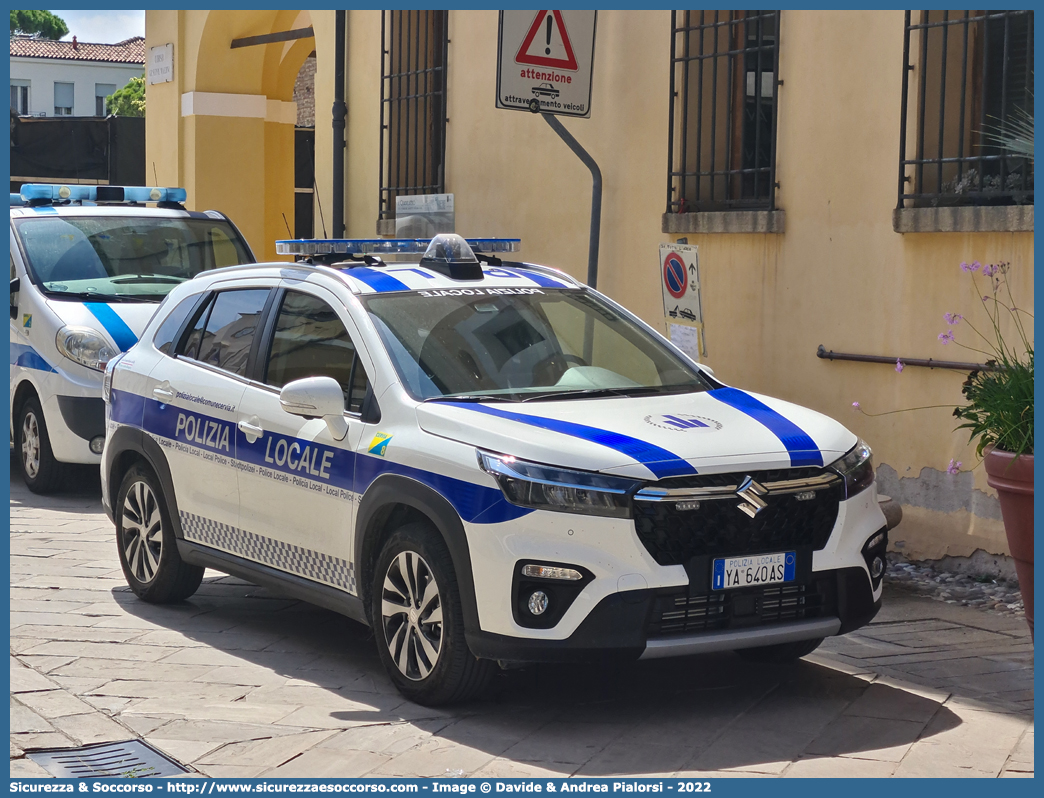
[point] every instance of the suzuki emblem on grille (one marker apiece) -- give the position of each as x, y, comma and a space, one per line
751, 493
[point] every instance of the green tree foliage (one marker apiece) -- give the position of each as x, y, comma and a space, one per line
38, 23
128, 101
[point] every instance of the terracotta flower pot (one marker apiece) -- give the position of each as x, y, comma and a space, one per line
1012, 478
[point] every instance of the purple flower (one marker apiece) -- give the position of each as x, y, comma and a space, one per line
899, 365
954, 467
989, 270
855, 405
953, 318
986, 298
946, 337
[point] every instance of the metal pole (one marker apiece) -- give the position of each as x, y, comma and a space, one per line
596, 195
340, 111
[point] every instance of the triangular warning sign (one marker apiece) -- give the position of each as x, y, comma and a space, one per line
544, 50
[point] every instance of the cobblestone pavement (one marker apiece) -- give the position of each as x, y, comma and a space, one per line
240, 682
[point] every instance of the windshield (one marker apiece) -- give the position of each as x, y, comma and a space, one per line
120, 258
547, 344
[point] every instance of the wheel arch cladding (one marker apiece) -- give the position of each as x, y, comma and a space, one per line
392, 501
127, 446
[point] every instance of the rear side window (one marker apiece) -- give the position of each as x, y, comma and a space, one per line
224, 331
164, 338
311, 341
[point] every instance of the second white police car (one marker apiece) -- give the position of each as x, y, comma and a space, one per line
487, 462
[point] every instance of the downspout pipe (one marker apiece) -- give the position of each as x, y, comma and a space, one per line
340, 111
596, 194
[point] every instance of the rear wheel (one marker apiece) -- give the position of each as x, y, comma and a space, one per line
41, 472
782, 652
416, 612
146, 544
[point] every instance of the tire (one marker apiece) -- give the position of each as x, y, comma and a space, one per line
414, 584
146, 544
782, 652
40, 471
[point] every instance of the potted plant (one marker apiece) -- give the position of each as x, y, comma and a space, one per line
999, 414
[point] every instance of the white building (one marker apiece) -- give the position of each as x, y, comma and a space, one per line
52, 78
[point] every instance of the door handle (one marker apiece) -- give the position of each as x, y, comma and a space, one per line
251, 430
163, 394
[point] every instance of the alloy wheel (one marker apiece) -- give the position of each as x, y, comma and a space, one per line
411, 610
31, 445
142, 532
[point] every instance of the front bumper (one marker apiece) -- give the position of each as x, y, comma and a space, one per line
645, 624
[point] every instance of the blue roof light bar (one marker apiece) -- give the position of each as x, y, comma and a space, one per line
16, 200
47, 192
306, 247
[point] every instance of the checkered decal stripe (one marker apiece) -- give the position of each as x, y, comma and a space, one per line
284, 556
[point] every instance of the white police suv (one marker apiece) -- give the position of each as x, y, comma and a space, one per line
89, 266
485, 461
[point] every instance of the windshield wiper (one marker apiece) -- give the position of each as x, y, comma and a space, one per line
148, 278
94, 296
473, 397
598, 393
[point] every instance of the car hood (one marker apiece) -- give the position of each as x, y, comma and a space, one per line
120, 322
647, 437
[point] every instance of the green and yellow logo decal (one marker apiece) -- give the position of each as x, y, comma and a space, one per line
27, 320
379, 444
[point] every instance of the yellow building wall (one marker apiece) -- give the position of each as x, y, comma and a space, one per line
838, 276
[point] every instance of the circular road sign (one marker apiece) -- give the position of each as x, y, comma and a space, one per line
674, 275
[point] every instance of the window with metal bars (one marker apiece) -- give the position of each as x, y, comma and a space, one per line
413, 105
968, 91
722, 133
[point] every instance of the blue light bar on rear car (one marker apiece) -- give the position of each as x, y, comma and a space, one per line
57, 192
16, 199
384, 246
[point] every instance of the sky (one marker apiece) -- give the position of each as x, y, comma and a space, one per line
103, 27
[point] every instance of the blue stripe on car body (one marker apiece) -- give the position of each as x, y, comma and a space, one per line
379, 281
27, 357
803, 450
660, 461
116, 327
344, 468
539, 278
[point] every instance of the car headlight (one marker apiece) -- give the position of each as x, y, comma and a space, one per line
84, 346
857, 469
561, 490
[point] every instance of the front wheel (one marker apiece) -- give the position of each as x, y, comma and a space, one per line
419, 625
146, 544
40, 471
781, 652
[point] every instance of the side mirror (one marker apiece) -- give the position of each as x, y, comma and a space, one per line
16, 285
316, 397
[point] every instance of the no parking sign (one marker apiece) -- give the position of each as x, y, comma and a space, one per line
682, 306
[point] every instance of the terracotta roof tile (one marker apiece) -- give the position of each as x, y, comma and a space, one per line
129, 51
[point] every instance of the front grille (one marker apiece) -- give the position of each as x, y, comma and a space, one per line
719, 528
685, 613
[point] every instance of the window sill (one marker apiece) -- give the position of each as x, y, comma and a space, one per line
979, 219
724, 222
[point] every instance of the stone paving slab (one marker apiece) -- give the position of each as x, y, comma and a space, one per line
241, 682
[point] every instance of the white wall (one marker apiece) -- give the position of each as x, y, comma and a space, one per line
43, 72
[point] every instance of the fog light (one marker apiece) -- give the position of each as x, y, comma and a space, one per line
877, 567
538, 602
97, 444
551, 572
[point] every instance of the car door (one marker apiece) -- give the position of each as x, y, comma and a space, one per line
296, 484
191, 404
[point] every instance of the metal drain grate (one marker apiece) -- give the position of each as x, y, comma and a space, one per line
127, 760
